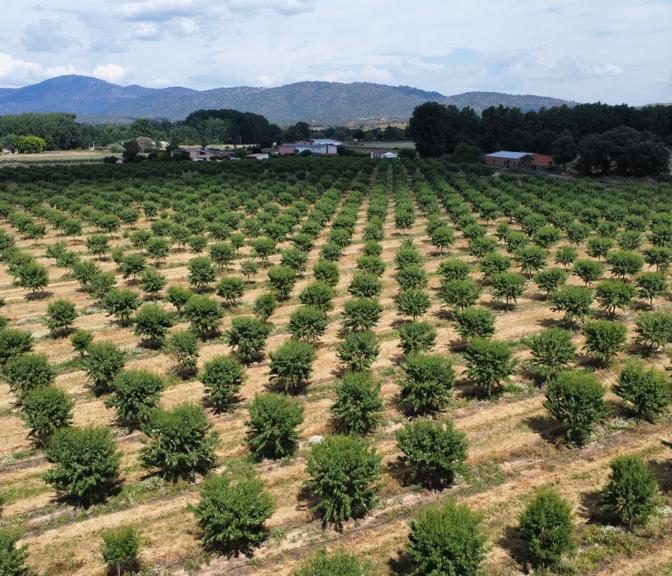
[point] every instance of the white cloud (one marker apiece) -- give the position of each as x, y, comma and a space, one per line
15, 72
110, 72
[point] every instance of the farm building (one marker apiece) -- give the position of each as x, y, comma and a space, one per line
508, 159
384, 154
199, 154
317, 146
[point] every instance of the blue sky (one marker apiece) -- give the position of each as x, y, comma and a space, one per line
587, 50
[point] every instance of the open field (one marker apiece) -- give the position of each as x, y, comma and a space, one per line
333, 208
55, 156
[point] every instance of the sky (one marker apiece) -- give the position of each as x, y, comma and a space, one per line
585, 50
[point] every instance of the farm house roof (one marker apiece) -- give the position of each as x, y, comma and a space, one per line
509, 155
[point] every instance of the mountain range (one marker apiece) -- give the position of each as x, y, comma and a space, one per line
94, 100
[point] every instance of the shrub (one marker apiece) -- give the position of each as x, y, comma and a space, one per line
204, 314
33, 275
330, 251
508, 286
201, 272
358, 350
248, 268
446, 540
358, 405
565, 255
222, 254
84, 272
120, 549
417, 337
599, 246
60, 316
372, 248
630, 494
181, 442
371, 264
80, 340
157, 249
475, 322
588, 270
427, 384
26, 372
231, 290
271, 426
295, 259
604, 339
45, 410
178, 296
182, 347
407, 255
343, 474
442, 237
12, 557
574, 301
100, 284
308, 323
365, 285
489, 364
412, 302
132, 266
86, 463
231, 514
292, 365
552, 351
327, 272
282, 280
102, 363
411, 278
654, 329
651, 285
624, 263
222, 379
494, 263
532, 259
454, 269
647, 390
434, 451
576, 399
659, 256
614, 294
121, 303
319, 295
262, 248
550, 279
152, 282
546, 527
339, 563
265, 305
136, 395
152, 323
361, 314
14, 342
459, 294
247, 336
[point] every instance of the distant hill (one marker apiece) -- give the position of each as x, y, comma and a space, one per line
316, 102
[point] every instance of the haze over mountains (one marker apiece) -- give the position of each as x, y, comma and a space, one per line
92, 99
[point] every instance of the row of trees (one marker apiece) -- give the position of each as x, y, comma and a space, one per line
608, 139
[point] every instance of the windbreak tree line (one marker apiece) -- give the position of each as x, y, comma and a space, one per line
619, 139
